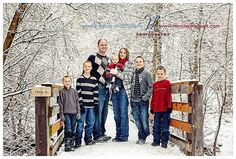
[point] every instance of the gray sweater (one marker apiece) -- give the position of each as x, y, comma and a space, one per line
146, 86
69, 101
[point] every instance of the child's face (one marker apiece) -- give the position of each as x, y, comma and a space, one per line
139, 63
122, 54
115, 59
160, 75
67, 82
87, 67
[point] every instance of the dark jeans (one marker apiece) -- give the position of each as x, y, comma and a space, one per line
118, 82
120, 109
161, 127
140, 114
70, 125
87, 117
101, 116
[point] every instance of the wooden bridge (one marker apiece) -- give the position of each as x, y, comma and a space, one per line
187, 101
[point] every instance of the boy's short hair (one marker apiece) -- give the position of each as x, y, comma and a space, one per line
161, 68
140, 57
87, 61
66, 76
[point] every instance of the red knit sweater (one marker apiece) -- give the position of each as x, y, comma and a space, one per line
161, 98
111, 66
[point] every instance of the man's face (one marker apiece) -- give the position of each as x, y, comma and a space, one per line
67, 82
102, 46
139, 63
160, 75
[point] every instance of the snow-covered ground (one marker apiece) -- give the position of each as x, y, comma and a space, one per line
129, 148
225, 138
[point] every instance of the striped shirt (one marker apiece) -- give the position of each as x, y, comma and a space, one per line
88, 91
99, 65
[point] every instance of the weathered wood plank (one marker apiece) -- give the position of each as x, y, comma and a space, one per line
54, 147
181, 142
184, 126
184, 82
41, 91
53, 110
55, 88
185, 87
56, 126
182, 107
181, 89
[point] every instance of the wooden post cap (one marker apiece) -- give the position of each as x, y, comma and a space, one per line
41, 91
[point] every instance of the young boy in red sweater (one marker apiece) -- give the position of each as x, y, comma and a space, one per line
161, 108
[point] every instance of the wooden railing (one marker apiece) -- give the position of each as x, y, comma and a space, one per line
191, 108
48, 126
50, 133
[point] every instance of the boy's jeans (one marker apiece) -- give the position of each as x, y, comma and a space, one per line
140, 114
101, 116
120, 109
87, 117
161, 127
118, 82
70, 125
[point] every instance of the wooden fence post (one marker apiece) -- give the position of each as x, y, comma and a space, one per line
41, 126
49, 132
197, 121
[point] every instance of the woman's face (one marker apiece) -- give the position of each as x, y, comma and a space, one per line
123, 54
139, 63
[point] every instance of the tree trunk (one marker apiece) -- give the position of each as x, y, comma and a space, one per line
196, 58
13, 28
225, 94
156, 58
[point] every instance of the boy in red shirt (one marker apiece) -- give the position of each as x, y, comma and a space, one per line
161, 108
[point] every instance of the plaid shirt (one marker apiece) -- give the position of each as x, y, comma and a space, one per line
126, 76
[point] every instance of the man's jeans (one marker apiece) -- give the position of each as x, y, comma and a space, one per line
161, 127
101, 116
140, 114
120, 109
70, 125
87, 117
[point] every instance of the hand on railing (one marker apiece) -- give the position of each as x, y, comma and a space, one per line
151, 117
82, 110
77, 116
62, 117
169, 110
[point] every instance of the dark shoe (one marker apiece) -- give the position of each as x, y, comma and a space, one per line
67, 144
100, 139
140, 141
118, 140
155, 144
164, 145
91, 142
106, 138
77, 146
